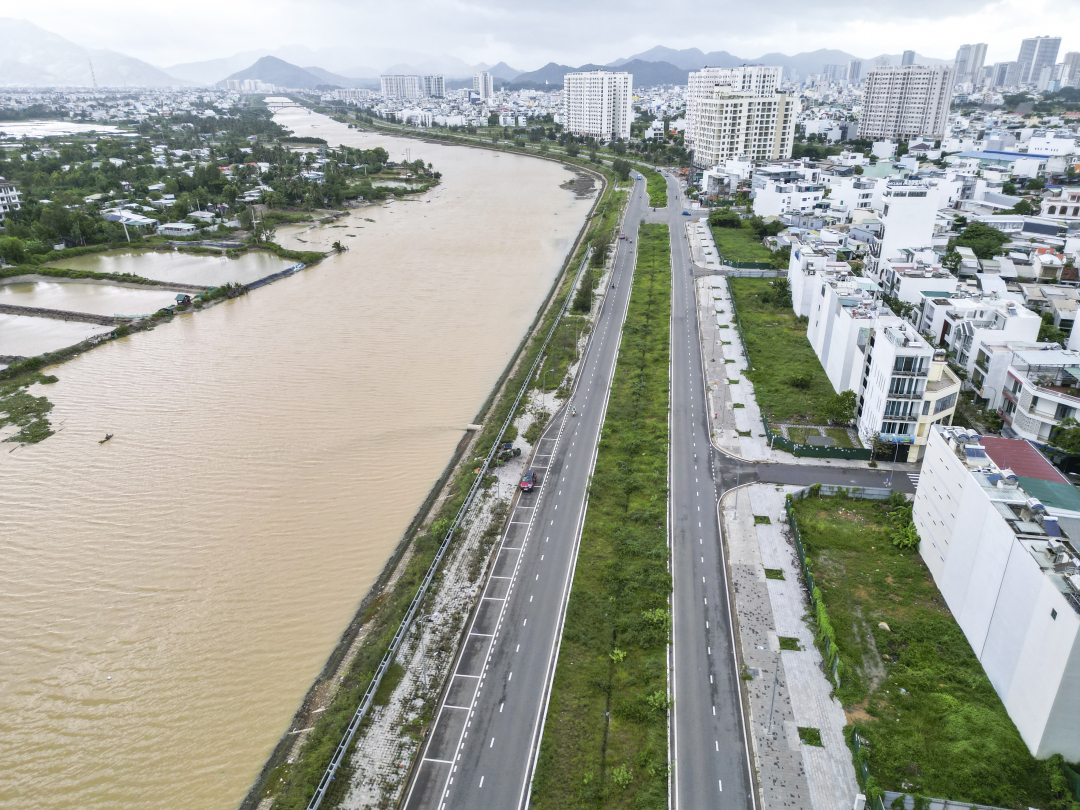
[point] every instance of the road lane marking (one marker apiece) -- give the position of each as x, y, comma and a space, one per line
510, 677
491, 745
432, 759
482, 778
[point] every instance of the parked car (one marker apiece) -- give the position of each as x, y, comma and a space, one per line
686, 213
528, 481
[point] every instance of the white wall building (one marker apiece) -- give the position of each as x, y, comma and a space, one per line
1040, 391
908, 213
598, 103
401, 87
964, 325
733, 112
905, 102
433, 86
484, 84
9, 198
1009, 576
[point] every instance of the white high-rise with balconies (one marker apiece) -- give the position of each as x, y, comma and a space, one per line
401, 86
1035, 54
484, 83
598, 103
906, 102
738, 112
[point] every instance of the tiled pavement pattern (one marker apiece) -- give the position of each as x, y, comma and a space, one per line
792, 775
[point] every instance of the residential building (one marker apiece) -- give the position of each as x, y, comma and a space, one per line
1071, 60
735, 112
964, 325
997, 525
908, 58
786, 189
969, 63
9, 198
908, 215
402, 87
855, 71
598, 103
1035, 54
906, 102
433, 86
1004, 74
911, 280
176, 229
484, 84
1040, 391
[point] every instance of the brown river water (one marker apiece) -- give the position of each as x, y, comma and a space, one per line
167, 598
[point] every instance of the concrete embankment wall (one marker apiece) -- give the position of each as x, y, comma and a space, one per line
63, 315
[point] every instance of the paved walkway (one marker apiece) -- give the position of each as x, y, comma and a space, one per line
789, 689
737, 428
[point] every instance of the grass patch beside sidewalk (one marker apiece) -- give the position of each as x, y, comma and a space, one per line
947, 735
740, 245
789, 382
612, 657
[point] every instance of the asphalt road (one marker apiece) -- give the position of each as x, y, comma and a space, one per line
482, 746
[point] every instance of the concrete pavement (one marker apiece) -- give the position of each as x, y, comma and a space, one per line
482, 746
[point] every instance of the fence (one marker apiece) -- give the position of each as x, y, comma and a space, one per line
862, 766
781, 441
750, 273
907, 801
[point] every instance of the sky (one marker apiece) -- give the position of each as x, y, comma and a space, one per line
530, 33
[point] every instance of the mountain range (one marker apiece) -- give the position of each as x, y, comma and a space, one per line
34, 57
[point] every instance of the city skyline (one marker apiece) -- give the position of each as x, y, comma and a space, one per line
492, 30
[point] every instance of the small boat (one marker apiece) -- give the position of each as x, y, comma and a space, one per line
107, 437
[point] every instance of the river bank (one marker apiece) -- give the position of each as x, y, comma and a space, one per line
269, 454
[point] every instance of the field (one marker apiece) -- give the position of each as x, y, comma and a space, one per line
916, 692
789, 382
605, 737
740, 245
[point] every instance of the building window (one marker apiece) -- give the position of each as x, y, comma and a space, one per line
926, 407
1053, 613
944, 403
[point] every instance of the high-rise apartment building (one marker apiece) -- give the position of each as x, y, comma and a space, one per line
908, 58
906, 102
1035, 54
1004, 74
834, 73
484, 84
738, 112
401, 86
1071, 61
969, 63
854, 71
598, 103
433, 86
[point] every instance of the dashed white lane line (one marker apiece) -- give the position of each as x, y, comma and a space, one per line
481, 781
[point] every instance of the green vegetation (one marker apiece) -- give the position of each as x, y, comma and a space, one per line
740, 244
774, 573
789, 382
840, 436
789, 643
655, 184
23, 410
762, 519
986, 242
918, 695
612, 657
810, 736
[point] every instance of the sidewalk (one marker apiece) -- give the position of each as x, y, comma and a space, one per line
789, 689
737, 428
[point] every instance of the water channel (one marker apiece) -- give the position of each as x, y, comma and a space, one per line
167, 598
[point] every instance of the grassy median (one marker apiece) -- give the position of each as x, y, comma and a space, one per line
789, 382
916, 692
605, 737
655, 184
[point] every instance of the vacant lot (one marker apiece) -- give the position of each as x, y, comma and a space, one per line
740, 245
789, 382
916, 692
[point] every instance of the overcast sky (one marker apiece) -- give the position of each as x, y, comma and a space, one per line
529, 34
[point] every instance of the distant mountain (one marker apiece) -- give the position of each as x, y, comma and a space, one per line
32, 56
687, 59
894, 59
333, 78
213, 71
278, 72
504, 71
646, 74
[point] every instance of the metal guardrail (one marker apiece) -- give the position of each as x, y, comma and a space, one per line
414, 606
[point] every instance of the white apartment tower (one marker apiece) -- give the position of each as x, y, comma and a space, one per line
433, 86
401, 86
484, 83
598, 103
906, 102
854, 71
969, 63
738, 112
1035, 54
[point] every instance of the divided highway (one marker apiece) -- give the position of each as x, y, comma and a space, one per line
482, 746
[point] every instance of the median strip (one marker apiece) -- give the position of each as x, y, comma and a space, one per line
605, 736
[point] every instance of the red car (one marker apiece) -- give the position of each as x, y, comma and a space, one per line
528, 481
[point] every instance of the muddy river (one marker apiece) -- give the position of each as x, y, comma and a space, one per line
167, 598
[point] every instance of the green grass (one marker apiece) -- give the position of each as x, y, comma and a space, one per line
810, 736
612, 658
779, 353
656, 185
762, 519
789, 643
800, 435
840, 436
774, 573
740, 245
949, 735
22, 409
